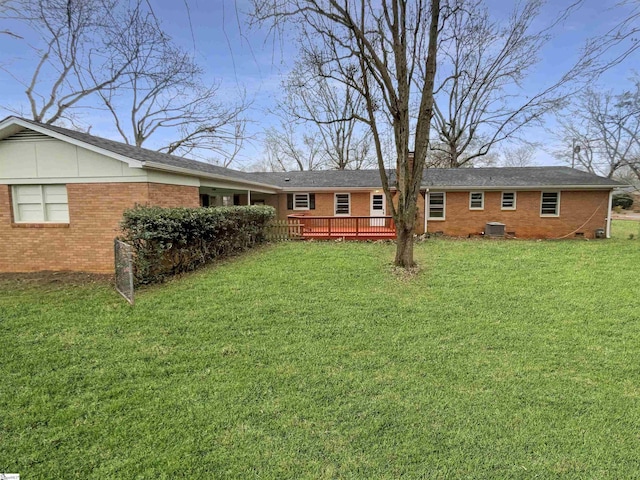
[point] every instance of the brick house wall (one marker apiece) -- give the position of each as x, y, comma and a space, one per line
163, 195
86, 242
576, 208
584, 211
325, 205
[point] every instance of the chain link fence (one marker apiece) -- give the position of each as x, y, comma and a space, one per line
124, 269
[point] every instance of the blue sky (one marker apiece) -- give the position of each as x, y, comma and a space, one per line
244, 58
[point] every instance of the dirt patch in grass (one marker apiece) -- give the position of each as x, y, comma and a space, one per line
626, 215
52, 279
405, 274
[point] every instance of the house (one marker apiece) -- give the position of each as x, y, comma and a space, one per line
62, 195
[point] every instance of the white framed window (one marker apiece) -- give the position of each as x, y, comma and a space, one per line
436, 205
476, 200
301, 201
40, 203
342, 204
550, 204
508, 201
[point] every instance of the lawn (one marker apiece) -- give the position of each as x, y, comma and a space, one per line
500, 359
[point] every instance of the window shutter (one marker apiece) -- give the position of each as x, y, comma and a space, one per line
289, 201
312, 201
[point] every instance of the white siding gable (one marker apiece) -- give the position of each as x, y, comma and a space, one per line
41, 158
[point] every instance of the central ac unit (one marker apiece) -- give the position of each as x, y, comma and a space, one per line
494, 229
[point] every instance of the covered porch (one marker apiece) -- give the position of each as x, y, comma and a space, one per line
346, 227
216, 196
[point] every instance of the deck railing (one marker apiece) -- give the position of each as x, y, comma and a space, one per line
348, 227
279, 230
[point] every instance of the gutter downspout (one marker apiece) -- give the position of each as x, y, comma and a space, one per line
426, 199
608, 231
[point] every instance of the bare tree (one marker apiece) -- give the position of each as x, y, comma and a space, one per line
480, 99
286, 149
376, 48
332, 109
602, 132
118, 52
75, 56
519, 156
163, 90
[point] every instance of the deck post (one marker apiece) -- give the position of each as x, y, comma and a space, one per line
248, 197
357, 227
329, 226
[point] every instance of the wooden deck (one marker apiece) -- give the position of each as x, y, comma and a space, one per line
348, 228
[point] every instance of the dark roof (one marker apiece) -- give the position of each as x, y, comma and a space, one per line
145, 155
323, 179
442, 177
512, 177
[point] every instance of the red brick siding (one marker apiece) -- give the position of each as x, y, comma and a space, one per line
419, 221
325, 205
576, 208
163, 195
86, 243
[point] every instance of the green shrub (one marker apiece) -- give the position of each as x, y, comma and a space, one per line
168, 241
623, 200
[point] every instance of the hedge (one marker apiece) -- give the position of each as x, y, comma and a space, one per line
623, 200
168, 241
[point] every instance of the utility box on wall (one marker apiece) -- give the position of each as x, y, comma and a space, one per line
494, 229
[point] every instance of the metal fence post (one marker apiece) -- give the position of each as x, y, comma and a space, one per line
123, 255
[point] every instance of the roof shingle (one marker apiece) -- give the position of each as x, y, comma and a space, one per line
523, 177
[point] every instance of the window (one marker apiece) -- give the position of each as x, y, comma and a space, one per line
342, 203
40, 203
436, 205
301, 201
508, 200
476, 200
550, 204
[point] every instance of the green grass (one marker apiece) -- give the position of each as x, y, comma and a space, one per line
500, 359
626, 228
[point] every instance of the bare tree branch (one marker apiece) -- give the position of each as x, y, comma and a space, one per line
163, 90
602, 132
286, 152
76, 59
375, 46
332, 108
480, 99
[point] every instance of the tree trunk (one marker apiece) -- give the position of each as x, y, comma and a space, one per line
404, 246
